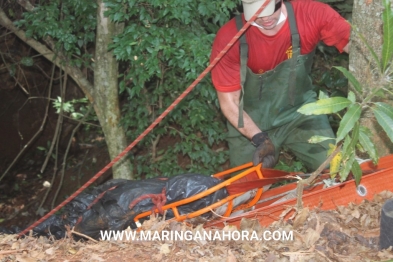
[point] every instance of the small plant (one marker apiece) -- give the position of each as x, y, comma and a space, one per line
350, 134
69, 106
45, 150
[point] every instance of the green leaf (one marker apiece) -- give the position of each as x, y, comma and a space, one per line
322, 95
325, 106
367, 144
348, 121
346, 147
357, 172
350, 77
27, 61
319, 139
351, 97
347, 167
355, 135
386, 108
387, 47
385, 121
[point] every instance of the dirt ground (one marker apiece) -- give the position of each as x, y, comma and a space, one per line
346, 234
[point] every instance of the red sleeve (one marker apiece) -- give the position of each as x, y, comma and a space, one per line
226, 74
319, 22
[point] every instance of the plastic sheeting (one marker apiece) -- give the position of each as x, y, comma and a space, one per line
106, 207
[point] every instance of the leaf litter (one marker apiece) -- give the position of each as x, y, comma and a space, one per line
346, 234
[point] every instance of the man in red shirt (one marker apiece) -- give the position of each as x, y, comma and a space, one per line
265, 77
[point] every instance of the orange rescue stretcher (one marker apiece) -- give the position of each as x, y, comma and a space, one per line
262, 205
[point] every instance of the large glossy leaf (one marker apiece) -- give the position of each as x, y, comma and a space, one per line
350, 77
335, 164
386, 108
357, 172
347, 167
367, 144
384, 120
387, 47
348, 121
325, 106
319, 139
346, 147
351, 97
354, 137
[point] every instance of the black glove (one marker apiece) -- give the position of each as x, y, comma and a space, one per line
265, 151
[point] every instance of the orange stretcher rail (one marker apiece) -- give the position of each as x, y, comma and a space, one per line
249, 173
376, 179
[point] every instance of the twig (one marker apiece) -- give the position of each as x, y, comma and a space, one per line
58, 125
81, 165
55, 142
323, 255
66, 154
36, 134
310, 180
83, 122
83, 235
6, 252
154, 148
16, 80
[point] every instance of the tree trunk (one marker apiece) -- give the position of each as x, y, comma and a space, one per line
106, 92
367, 17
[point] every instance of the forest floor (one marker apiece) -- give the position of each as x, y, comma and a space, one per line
346, 234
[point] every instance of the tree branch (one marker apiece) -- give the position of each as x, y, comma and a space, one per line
314, 175
57, 59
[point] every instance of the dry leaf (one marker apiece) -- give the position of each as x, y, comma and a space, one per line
158, 257
164, 249
95, 257
50, 251
355, 213
21, 258
250, 224
231, 257
301, 217
270, 258
15, 245
311, 237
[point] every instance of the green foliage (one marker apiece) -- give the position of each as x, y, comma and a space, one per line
348, 122
387, 48
70, 23
384, 115
325, 106
349, 131
295, 166
27, 61
165, 45
163, 48
71, 107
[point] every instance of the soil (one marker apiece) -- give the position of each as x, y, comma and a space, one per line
346, 234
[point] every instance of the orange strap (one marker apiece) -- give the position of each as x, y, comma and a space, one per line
158, 200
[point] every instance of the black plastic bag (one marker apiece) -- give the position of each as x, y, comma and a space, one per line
107, 207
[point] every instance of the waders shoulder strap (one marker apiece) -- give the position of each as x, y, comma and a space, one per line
243, 68
295, 51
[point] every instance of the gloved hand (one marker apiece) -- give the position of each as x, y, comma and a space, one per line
265, 151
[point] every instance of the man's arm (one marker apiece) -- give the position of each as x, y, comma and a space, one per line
346, 48
229, 103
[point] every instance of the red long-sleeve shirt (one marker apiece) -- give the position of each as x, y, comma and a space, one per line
316, 22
